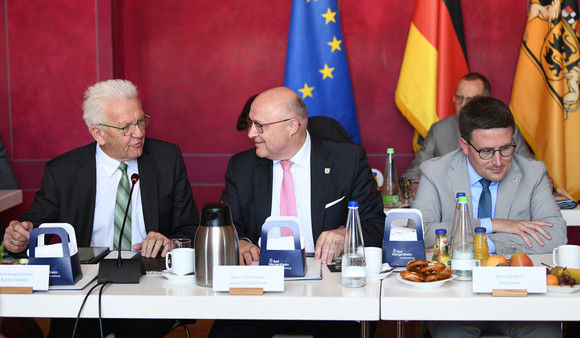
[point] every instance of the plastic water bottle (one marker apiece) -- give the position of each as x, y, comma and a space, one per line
462, 248
354, 271
391, 198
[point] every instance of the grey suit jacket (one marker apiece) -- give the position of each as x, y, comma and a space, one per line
523, 194
443, 137
248, 191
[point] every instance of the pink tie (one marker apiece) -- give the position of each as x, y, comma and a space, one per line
287, 200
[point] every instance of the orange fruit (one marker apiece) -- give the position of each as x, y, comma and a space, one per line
495, 260
551, 279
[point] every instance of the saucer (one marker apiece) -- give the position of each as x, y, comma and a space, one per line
176, 278
380, 276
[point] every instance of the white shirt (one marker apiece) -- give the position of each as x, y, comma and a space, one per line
301, 176
108, 176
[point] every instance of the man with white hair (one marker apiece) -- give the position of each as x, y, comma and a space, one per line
81, 187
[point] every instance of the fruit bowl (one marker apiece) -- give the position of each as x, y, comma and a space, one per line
563, 288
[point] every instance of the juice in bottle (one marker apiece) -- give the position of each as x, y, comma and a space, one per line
481, 247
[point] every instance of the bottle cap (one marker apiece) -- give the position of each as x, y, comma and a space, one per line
353, 204
459, 194
480, 229
440, 232
463, 199
390, 150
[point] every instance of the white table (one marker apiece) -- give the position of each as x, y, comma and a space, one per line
456, 301
10, 198
156, 297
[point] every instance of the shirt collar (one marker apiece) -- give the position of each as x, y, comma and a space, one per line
474, 177
302, 157
110, 164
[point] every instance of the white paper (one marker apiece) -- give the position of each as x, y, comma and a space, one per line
25, 275
55, 250
269, 278
531, 278
402, 234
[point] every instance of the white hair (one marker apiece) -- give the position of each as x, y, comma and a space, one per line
97, 96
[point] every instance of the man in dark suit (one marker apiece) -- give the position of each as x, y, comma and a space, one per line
80, 187
326, 176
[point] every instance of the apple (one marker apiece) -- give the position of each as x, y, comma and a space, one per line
495, 260
520, 259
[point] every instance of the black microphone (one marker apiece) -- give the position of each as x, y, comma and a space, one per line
119, 270
134, 179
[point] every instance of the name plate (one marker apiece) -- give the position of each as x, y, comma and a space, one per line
35, 276
530, 278
268, 278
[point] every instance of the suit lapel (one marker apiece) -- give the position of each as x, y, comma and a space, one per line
263, 190
149, 191
507, 191
87, 172
459, 178
319, 177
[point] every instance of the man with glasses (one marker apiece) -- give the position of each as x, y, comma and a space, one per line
81, 187
326, 175
443, 136
509, 195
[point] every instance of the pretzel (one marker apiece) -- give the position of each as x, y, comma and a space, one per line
416, 265
432, 268
412, 276
438, 275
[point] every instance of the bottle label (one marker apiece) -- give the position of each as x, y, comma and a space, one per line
354, 271
390, 198
462, 264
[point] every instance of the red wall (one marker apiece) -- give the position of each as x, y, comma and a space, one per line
196, 63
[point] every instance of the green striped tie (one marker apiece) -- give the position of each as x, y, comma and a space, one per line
120, 205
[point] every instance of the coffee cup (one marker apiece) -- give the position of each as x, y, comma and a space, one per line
567, 256
374, 260
180, 261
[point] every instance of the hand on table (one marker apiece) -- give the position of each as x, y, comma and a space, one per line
248, 253
152, 244
17, 235
325, 244
523, 229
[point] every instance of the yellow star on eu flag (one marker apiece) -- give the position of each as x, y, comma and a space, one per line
329, 16
335, 44
326, 72
306, 91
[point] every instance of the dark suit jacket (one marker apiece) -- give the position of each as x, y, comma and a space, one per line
248, 190
68, 190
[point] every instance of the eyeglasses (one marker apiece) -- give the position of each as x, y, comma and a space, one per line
488, 153
129, 129
459, 99
260, 126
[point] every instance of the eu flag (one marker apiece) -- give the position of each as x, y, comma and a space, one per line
316, 67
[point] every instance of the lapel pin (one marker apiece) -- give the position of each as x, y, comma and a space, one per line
515, 180
327, 171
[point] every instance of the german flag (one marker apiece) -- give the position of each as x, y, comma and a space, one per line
435, 60
545, 90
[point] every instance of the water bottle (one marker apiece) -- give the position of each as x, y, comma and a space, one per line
462, 248
391, 198
354, 271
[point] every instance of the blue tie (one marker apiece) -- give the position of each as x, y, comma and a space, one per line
484, 209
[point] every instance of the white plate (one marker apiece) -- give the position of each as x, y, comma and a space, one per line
426, 285
381, 275
175, 278
563, 288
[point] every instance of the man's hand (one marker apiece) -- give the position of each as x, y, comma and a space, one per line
325, 244
523, 229
152, 244
17, 235
248, 253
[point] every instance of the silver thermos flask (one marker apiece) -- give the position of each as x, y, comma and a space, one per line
216, 242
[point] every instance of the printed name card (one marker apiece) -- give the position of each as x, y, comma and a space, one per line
530, 278
35, 276
268, 278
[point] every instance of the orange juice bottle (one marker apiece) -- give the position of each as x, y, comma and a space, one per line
481, 247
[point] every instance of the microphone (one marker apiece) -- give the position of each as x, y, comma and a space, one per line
119, 270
